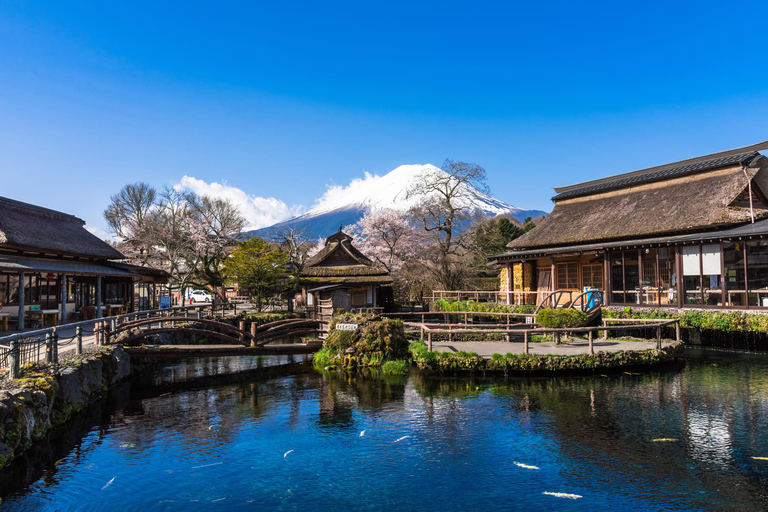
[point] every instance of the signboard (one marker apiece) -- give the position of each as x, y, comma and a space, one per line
529, 319
165, 301
346, 327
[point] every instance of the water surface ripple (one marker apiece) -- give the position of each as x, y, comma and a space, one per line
678, 439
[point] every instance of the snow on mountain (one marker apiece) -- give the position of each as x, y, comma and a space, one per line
345, 205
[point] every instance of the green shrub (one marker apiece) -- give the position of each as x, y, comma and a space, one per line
324, 357
395, 367
480, 307
561, 318
726, 321
375, 336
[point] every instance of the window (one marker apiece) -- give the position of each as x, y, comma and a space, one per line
568, 276
592, 276
617, 278
735, 282
757, 273
701, 275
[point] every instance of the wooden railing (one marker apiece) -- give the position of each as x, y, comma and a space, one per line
35, 346
528, 330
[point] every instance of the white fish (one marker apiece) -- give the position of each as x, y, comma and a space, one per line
362, 433
404, 437
526, 466
109, 483
206, 465
563, 495
286, 453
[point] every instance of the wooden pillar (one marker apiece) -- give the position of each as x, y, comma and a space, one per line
678, 337
253, 334
525, 342
658, 337
429, 340
63, 313
22, 278
98, 297
591, 347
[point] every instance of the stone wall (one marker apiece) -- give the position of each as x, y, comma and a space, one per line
49, 397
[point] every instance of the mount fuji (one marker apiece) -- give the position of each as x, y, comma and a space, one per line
343, 206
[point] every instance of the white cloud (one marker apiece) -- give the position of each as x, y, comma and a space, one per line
259, 212
103, 235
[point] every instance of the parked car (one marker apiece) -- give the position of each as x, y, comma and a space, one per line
200, 296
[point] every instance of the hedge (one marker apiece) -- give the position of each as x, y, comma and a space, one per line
480, 307
561, 318
730, 321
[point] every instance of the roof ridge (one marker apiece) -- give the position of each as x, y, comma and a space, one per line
32, 208
637, 175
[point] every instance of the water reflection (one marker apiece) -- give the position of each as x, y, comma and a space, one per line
679, 439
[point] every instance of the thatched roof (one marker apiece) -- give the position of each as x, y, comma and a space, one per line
709, 198
340, 259
32, 228
730, 158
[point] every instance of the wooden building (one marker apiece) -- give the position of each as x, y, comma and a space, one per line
55, 270
690, 234
341, 277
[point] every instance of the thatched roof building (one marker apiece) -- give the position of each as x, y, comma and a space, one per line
26, 227
341, 277
340, 262
684, 234
52, 269
698, 194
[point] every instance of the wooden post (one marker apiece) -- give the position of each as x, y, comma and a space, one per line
55, 347
242, 331
253, 334
450, 334
79, 336
422, 330
22, 278
678, 337
14, 358
605, 330
658, 337
63, 314
98, 297
591, 347
48, 348
525, 341
429, 340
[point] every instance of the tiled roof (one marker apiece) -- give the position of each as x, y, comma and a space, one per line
663, 172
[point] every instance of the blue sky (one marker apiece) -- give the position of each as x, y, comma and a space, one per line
282, 99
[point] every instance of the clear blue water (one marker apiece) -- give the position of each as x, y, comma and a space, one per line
294, 443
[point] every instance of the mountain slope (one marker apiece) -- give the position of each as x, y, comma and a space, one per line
342, 206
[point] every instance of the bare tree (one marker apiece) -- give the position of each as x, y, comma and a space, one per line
444, 212
293, 241
129, 216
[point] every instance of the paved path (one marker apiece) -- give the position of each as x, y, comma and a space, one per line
487, 348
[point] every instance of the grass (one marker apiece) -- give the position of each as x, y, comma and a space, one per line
396, 367
323, 357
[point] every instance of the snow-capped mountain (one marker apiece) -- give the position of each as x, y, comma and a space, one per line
343, 206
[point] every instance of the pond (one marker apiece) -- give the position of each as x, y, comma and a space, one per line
689, 438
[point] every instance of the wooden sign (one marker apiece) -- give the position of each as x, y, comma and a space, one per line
345, 327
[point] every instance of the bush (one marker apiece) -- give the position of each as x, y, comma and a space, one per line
396, 367
480, 307
561, 318
376, 338
324, 357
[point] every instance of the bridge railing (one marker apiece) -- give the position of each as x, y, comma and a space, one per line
21, 349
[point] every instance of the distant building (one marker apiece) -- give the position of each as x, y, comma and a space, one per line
341, 277
690, 234
56, 270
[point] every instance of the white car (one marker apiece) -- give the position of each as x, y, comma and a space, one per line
200, 296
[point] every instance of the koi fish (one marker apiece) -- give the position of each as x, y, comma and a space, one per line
760, 458
664, 440
404, 437
206, 465
109, 483
563, 495
526, 466
362, 433
286, 453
